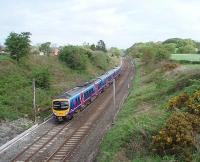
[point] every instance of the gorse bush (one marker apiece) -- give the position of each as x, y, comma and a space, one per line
194, 103
176, 138
169, 66
42, 77
75, 57
178, 101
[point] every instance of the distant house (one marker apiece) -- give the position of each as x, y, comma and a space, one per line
41, 53
54, 52
2, 50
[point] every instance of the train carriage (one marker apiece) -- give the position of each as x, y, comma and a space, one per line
65, 105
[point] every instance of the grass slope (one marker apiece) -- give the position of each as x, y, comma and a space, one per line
16, 83
143, 114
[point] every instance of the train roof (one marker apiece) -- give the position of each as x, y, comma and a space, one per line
81, 88
75, 91
103, 76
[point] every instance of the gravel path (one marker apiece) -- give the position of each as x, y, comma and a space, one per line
9, 130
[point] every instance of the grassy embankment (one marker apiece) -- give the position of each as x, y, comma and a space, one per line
16, 82
144, 114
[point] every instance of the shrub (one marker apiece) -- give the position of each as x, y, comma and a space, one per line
100, 60
162, 53
195, 120
169, 66
176, 138
194, 103
75, 57
148, 54
178, 101
42, 77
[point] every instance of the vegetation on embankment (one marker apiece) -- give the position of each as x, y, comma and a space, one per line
54, 69
52, 78
145, 129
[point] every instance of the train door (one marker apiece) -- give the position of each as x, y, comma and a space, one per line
82, 98
96, 88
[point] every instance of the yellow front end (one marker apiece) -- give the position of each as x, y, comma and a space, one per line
60, 113
61, 110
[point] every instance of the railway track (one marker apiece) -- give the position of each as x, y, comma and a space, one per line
40, 143
67, 149
73, 138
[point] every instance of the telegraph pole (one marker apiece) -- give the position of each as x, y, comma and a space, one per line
34, 105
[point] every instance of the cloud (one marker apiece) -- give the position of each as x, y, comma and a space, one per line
119, 23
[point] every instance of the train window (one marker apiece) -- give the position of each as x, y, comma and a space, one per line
64, 105
75, 103
60, 105
78, 99
72, 104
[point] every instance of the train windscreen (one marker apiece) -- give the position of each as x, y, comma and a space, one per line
60, 105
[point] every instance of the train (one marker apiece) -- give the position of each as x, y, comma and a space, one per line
65, 105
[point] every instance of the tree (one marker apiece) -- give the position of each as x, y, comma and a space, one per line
162, 52
101, 46
147, 54
198, 46
75, 57
114, 51
183, 45
171, 47
45, 48
18, 45
86, 45
42, 77
93, 47
1, 47
187, 49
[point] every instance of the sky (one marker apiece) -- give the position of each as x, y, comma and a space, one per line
120, 23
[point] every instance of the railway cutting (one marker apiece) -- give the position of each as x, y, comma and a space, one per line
76, 139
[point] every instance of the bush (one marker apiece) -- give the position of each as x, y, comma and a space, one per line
169, 66
194, 103
176, 138
178, 135
178, 101
162, 53
75, 57
42, 77
147, 54
100, 60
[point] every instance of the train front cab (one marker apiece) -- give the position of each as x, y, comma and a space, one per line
60, 108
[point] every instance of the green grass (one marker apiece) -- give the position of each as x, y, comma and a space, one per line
141, 116
4, 57
186, 57
192, 66
16, 84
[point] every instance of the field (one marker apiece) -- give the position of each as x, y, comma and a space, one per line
4, 57
143, 113
186, 57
